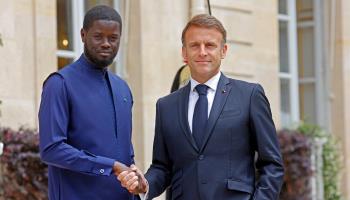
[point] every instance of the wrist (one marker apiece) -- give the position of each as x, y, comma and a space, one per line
145, 185
119, 168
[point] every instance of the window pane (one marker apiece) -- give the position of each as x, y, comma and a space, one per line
304, 9
285, 103
307, 102
62, 62
283, 46
306, 52
64, 25
91, 3
282, 6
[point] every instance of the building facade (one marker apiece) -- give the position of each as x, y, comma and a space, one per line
298, 50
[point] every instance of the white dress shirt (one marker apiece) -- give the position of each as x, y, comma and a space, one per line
212, 84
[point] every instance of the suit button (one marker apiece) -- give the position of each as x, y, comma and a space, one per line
102, 171
201, 157
204, 181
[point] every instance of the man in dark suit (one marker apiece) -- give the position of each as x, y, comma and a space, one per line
208, 132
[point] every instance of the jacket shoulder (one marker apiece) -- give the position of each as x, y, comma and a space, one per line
244, 86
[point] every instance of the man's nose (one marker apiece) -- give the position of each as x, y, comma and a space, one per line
203, 50
106, 43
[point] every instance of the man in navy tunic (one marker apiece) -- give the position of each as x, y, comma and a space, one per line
85, 117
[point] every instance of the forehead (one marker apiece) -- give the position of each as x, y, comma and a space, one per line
104, 25
195, 33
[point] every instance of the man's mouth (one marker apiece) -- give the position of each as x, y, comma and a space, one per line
202, 61
104, 54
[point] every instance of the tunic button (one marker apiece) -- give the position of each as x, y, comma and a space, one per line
201, 157
102, 171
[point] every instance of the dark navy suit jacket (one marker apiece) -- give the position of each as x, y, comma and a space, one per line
240, 124
85, 125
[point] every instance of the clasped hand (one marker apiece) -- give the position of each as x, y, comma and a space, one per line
132, 179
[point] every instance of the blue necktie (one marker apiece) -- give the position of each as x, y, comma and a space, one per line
200, 114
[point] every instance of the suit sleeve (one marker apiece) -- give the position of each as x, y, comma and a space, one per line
269, 163
53, 132
158, 175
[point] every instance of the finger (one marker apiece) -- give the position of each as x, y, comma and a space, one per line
125, 177
133, 167
134, 185
132, 181
137, 170
122, 175
128, 175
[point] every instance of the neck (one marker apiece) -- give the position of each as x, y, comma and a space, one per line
203, 79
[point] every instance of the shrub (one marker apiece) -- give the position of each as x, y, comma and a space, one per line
24, 175
296, 152
332, 162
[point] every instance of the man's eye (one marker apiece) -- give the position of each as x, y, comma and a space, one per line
97, 37
114, 39
210, 45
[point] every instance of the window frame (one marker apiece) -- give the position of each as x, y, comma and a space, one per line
292, 75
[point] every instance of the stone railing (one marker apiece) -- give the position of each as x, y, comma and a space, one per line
316, 182
1, 151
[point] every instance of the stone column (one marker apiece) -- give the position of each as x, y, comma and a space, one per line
197, 7
340, 88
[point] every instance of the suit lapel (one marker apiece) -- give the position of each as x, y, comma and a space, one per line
183, 114
221, 94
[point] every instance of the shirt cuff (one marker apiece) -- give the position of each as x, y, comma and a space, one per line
144, 196
103, 166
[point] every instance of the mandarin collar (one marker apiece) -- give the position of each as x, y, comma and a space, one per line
88, 65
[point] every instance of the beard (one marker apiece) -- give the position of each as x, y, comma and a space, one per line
102, 63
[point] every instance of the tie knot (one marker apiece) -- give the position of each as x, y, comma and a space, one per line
202, 89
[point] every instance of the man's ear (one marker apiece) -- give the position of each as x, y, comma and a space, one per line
184, 55
224, 51
83, 35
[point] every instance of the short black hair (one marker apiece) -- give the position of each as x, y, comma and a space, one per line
101, 12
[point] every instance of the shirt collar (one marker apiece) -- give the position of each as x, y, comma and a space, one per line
212, 83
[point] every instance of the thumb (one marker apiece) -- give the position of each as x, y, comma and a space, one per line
133, 167
136, 169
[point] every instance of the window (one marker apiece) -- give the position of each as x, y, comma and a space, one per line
70, 16
312, 73
288, 62
303, 77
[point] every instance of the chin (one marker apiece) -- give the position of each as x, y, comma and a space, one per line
103, 62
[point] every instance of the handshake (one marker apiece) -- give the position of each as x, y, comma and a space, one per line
130, 178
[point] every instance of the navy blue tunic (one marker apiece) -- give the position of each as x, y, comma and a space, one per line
85, 125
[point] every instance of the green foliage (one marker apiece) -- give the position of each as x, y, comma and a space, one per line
331, 169
332, 163
1, 44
